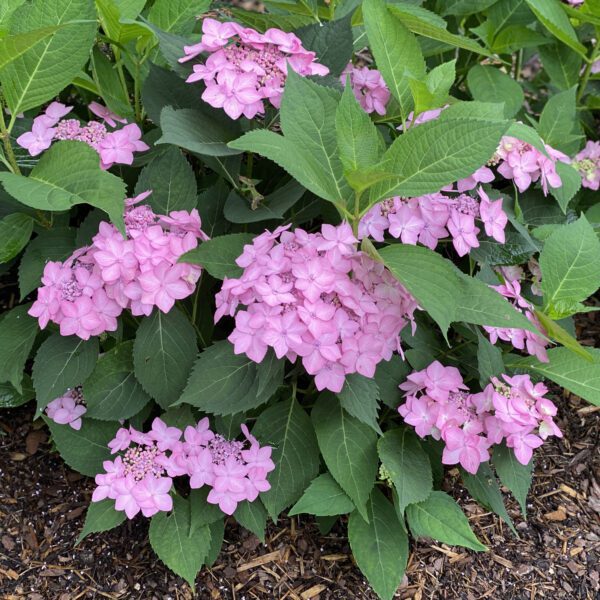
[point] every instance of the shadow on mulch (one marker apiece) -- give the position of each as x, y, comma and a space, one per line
43, 503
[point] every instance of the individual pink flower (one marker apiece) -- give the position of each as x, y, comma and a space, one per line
105, 114
493, 217
463, 231
164, 284
152, 495
38, 139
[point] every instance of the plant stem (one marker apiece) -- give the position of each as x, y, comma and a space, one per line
8, 149
588, 71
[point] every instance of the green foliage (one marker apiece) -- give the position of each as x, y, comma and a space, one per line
101, 516
17, 333
324, 498
515, 476
489, 84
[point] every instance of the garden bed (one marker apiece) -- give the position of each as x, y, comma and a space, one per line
43, 504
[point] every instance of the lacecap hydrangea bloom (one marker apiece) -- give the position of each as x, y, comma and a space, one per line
246, 68
428, 219
440, 405
314, 296
140, 478
368, 86
113, 147
68, 408
85, 294
587, 162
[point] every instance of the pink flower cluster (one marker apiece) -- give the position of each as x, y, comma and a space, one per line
587, 162
86, 293
368, 86
439, 404
114, 147
141, 477
315, 296
245, 67
427, 219
519, 338
68, 408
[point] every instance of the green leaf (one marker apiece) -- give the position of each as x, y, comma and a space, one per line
11, 398
218, 255
324, 498
112, 392
52, 244
562, 65
110, 88
47, 67
569, 263
14, 46
433, 90
252, 516
117, 21
440, 518
360, 398
224, 383
274, 206
515, 476
193, 130
171, 538
349, 448
308, 149
359, 142
165, 88
62, 363
202, 512
287, 428
54, 184
555, 332
379, 545
466, 7
437, 153
17, 333
567, 369
330, 41
101, 516
172, 181
87, 448
428, 277
217, 534
263, 21
408, 465
552, 16
558, 118
163, 354
211, 204
489, 84
396, 51
388, 376
571, 184
483, 486
489, 360
177, 16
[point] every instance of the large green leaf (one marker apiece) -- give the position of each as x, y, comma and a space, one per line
567, 369
11, 398
14, 46
194, 130
224, 383
440, 518
489, 360
287, 428
252, 516
388, 376
379, 545
489, 84
87, 448
177, 16
324, 498
47, 67
112, 392
54, 184
172, 539
172, 181
101, 516
558, 119
349, 448
218, 255
562, 65
515, 476
569, 263
437, 153
17, 334
552, 16
360, 398
62, 363
163, 354
396, 51
109, 84
407, 464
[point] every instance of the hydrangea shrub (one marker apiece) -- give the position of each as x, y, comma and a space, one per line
298, 261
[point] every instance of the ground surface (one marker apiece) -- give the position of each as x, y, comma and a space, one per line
43, 503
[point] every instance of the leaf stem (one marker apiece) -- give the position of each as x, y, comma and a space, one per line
8, 149
588, 71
